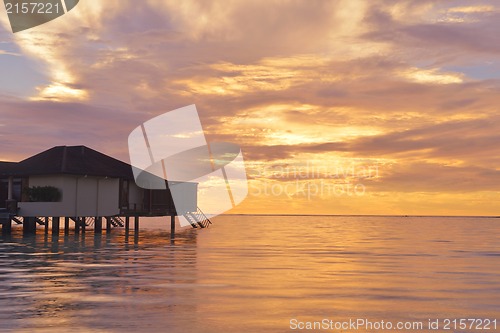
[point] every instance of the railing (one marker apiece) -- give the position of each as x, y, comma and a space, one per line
197, 218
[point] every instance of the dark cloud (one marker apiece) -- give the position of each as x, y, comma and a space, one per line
460, 40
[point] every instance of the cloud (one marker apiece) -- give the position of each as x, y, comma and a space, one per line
470, 142
432, 76
433, 177
445, 37
287, 80
472, 9
3, 52
31, 127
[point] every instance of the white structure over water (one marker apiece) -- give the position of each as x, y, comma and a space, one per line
80, 183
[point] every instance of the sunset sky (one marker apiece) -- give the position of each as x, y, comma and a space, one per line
340, 107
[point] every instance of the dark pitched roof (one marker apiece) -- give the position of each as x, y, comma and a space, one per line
72, 160
6, 167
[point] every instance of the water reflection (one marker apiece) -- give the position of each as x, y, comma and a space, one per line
92, 282
252, 274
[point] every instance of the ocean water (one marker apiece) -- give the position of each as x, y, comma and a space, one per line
254, 274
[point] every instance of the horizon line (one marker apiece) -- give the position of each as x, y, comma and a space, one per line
369, 215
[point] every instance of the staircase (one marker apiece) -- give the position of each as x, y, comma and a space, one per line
117, 221
17, 219
197, 219
89, 221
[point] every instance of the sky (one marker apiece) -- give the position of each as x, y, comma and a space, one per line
340, 107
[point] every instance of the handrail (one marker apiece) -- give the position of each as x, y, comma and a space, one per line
204, 216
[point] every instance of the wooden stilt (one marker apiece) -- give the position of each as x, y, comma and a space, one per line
66, 225
136, 224
136, 229
77, 226
46, 225
108, 225
55, 225
172, 226
29, 225
83, 224
98, 225
127, 223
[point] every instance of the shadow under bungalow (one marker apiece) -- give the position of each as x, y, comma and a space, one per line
84, 187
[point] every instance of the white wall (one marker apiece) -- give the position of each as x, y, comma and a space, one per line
81, 196
86, 196
98, 196
108, 198
66, 207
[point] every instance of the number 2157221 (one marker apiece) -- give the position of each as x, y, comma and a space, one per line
32, 8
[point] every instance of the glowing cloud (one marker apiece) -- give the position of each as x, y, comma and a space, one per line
431, 76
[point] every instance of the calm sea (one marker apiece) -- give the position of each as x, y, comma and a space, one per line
254, 274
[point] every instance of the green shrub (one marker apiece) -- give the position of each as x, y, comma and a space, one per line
43, 193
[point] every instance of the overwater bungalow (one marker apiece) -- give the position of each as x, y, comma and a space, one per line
85, 186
